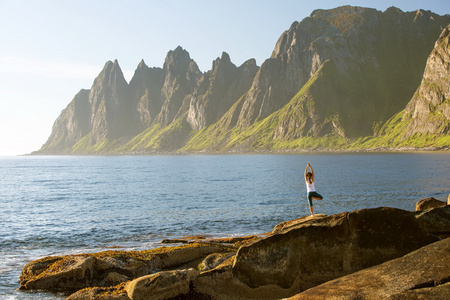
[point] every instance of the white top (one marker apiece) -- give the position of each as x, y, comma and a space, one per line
310, 187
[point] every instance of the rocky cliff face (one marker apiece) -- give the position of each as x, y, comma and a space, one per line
110, 108
334, 77
145, 89
429, 109
218, 90
181, 77
72, 125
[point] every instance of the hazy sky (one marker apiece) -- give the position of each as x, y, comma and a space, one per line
50, 49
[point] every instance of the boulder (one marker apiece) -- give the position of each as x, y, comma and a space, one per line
422, 274
436, 220
214, 260
75, 272
321, 249
67, 273
114, 278
428, 203
220, 284
161, 286
99, 293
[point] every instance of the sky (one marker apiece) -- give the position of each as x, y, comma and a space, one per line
50, 49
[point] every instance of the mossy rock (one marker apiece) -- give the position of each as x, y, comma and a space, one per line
74, 272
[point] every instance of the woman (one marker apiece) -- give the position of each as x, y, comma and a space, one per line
312, 194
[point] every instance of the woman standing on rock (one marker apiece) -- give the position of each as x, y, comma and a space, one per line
312, 194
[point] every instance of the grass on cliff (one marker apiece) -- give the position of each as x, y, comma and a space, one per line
84, 146
392, 135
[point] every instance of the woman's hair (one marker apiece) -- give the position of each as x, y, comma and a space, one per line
309, 175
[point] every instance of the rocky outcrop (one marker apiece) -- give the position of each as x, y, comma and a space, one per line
435, 220
422, 274
322, 249
75, 272
297, 256
428, 203
162, 285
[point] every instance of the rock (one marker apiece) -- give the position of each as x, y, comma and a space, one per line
75, 272
162, 285
174, 241
213, 260
323, 249
114, 278
288, 224
421, 274
68, 273
440, 292
97, 293
436, 220
428, 203
220, 284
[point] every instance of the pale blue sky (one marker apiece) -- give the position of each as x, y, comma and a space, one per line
50, 49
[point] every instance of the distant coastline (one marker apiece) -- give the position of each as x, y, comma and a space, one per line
260, 151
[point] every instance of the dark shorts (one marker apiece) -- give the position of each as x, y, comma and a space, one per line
315, 195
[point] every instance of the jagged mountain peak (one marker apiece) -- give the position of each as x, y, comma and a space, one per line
178, 61
339, 72
393, 10
178, 54
224, 60
111, 73
225, 57
142, 64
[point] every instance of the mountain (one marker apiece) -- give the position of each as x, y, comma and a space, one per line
335, 80
425, 121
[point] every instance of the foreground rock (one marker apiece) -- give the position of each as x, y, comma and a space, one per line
428, 203
74, 272
436, 221
422, 274
296, 256
304, 254
162, 285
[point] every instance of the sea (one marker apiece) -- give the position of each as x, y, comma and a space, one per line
57, 205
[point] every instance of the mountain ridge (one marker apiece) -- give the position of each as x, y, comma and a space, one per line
333, 81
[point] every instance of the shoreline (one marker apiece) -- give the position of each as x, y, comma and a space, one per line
256, 152
222, 268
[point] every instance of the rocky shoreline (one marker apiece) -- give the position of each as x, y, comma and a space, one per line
365, 254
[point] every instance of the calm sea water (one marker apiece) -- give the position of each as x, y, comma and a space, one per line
53, 205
